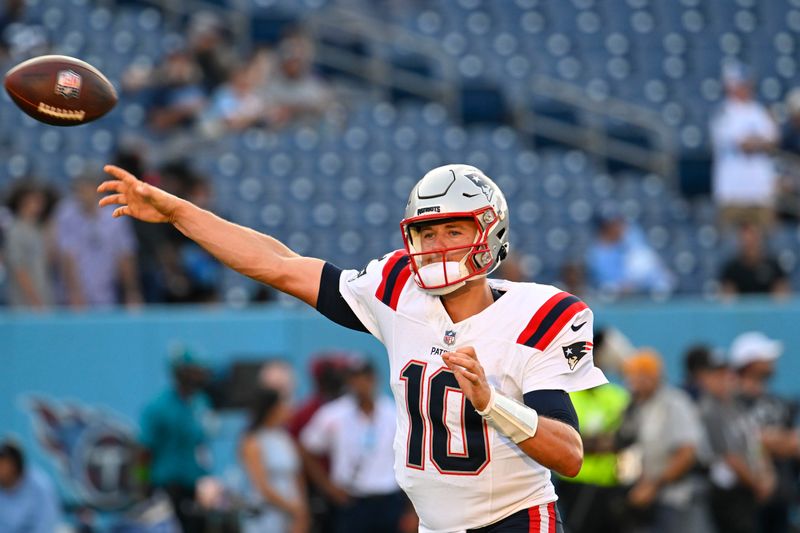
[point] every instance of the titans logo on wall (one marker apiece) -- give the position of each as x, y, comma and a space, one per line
94, 451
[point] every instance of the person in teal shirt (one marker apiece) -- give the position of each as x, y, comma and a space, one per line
174, 436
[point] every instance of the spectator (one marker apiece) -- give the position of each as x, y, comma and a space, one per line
790, 133
751, 270
173, 269
97, 258
20, 38
294, 92
28, 500
740, 474
212, 51
202, 272
174, 436
329, 374
788, 200
698, 360
664, 428
743, 134
593, 500
278, 375
272, 463
753, 357
512, 269
153, 246
573, 279
357, 430
28, 252
621, 262
173, 90
12, 13
237, 104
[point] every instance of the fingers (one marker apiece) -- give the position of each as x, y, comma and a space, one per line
110, 186
470, 368
468, 351
120, 211
121, 174
458, 370
113, 199
461, 360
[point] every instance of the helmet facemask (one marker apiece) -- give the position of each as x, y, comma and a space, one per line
432, 270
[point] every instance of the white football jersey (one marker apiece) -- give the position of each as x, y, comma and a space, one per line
456, 469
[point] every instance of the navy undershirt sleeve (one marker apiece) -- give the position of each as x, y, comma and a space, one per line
330, 301
554, 404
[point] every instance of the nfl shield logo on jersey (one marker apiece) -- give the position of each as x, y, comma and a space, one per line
449, 337
68, 84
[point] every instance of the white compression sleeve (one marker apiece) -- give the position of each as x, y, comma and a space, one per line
511, 418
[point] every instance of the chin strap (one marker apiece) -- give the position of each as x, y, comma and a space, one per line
511, 418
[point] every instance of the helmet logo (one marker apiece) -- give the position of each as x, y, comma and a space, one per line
485, 188
432, 209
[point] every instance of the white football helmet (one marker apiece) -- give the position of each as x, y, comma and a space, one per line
456, 192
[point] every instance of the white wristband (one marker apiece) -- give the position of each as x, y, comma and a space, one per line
511, 418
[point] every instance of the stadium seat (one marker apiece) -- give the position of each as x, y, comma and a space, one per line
268, 26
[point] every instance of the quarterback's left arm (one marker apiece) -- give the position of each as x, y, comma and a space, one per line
556, 446
564, 362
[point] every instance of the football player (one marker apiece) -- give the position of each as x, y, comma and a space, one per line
480, 369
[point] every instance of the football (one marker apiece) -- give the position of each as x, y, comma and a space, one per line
60, 90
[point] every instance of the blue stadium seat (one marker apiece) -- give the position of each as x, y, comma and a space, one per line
483, 103
268, 26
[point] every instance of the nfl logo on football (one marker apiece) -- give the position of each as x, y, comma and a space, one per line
68, 84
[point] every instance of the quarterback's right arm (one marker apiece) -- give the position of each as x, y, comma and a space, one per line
246, 251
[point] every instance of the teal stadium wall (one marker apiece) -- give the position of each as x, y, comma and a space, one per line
114, 362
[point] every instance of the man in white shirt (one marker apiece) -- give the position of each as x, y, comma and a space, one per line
743, 133
356, 432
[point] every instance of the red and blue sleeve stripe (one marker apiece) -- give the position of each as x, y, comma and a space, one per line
393, 278
548, 321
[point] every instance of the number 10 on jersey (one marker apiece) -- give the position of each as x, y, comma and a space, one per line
432, 415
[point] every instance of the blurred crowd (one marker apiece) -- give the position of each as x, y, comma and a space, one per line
63, 250
53, 241
717, 453
204, 87
325, 464
58, 249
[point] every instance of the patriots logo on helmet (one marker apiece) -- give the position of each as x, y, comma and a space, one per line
575, 352
485, 188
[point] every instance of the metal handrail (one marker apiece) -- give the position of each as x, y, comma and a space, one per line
338, 21
589, 134
593, 138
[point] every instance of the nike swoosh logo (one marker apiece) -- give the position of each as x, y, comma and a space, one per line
579, 326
